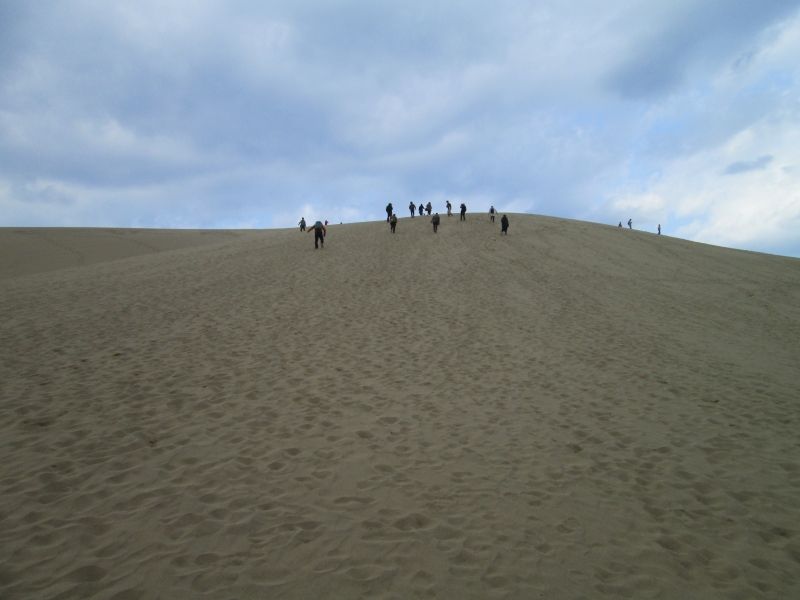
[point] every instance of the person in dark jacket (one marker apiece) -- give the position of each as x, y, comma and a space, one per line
463, 211
421, 208
435, 221
389, 211
413, 208
504, 225
393, 222
319, 234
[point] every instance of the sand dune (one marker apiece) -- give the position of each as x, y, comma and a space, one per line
35, 250
571, 411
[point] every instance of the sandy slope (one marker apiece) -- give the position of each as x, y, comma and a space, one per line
570, 411
35, 250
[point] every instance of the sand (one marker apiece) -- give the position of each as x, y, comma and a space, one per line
571, 411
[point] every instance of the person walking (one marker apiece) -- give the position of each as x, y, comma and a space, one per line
491, 214
504, 225
421, 208
319, 234
412, 208
435, 221
449, 209
428, 208
620, 225
659, 229
393, 222
463, 212
389, 211
630, 223
302, 224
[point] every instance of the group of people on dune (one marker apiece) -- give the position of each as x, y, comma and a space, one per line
320, 229
391, 216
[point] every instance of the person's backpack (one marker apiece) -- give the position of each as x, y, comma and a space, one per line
318, 225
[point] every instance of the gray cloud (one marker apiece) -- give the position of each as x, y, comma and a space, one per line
212, 114
748, 165
696, 36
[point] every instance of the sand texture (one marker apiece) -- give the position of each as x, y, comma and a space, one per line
36, 250
571, 411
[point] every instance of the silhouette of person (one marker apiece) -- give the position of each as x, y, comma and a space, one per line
302, 224
389, 210
449, 209
491, 214
659, 229
504, 225
620, 225
421, 209
463, 212
319, 234
412, 208
435, 221
428, 208
630, 223
393, 222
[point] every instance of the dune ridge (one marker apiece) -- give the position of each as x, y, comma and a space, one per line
569, 411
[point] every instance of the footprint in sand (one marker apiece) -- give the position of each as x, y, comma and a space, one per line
89, 573
412, 522
568, 526
366, 573
354, 500
206, 559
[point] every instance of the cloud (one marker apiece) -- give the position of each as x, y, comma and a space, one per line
691, 198
743, 166
216, 114
690, 39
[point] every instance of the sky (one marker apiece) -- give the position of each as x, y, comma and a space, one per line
251, 114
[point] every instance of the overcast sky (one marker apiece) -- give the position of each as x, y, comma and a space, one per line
252, 114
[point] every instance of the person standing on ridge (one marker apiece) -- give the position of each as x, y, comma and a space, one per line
630, 223
504, 225
319, 234
428, 208
421, 209
302, 224
393, 222
412, 208
435, 221
463, 212
389, 211
449, 209
659, 229
491, 214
